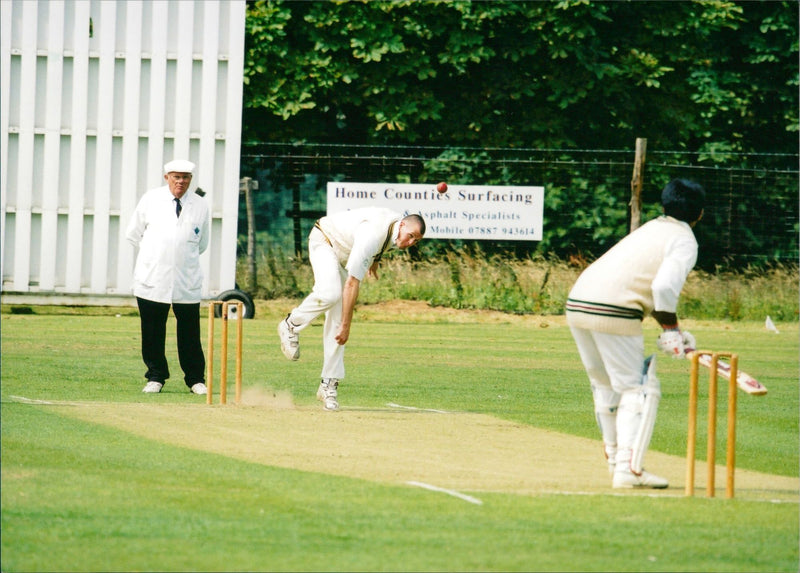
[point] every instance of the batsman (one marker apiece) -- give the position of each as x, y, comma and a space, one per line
640, 276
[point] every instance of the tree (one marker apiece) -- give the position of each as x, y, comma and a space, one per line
712, 77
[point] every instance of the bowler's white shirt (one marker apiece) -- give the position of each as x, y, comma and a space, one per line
358, 235
168, 264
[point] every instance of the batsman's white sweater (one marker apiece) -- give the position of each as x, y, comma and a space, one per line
645, 271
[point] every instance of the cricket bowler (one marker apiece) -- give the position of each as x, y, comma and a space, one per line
343, 248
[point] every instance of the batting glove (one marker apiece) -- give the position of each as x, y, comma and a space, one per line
676, 343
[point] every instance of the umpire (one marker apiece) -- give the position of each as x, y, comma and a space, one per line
171, 229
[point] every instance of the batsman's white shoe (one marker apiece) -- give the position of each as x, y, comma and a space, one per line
199, 388
628, 479
152, 387
290, 340
326, 393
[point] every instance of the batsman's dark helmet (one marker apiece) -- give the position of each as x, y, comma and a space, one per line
683, 199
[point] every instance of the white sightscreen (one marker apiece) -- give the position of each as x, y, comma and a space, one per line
96, 97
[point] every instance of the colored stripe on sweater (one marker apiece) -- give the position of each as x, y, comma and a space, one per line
606, 310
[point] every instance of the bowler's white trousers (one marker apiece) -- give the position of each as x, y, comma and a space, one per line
326, 296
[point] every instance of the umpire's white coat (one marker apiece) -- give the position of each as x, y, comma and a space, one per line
168, 265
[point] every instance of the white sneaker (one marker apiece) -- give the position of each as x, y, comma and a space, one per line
290, 340
152, 387
199, 388
326, 393
628, 479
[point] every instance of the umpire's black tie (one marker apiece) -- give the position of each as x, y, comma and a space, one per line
178, 207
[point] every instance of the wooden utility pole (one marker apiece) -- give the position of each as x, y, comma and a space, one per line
636, 183
247, 186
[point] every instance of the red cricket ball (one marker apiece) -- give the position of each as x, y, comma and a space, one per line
442, 187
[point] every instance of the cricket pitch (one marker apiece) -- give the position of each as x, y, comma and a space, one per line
465, 452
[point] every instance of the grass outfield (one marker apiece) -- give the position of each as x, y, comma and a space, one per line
466, 442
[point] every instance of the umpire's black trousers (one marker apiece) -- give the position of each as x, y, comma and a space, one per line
153, 317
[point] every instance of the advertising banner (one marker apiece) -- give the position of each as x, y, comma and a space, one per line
490, 212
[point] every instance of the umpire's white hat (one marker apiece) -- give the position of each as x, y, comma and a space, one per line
179, 166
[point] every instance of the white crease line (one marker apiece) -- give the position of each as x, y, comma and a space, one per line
393, 405
465, 497
25, 400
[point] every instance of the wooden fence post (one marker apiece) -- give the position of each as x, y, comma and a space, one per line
636, 183
247, 186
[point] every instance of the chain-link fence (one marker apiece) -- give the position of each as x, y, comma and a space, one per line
751, 215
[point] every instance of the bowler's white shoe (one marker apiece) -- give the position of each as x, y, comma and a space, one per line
199, 388
290, 340
152, 387
326, 393
625, 478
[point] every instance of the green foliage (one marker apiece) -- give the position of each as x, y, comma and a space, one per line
702, 76
279, 274
751, 215
750, 294
478, 79
469, 278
